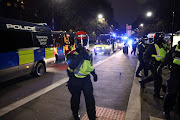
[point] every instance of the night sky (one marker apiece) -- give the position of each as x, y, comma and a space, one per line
126, 11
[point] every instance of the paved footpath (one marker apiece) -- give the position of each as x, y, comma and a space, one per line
150, 107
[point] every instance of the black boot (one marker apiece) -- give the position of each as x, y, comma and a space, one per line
137, 75
76, 117
142, 84
164, 88
158, 96
166, 113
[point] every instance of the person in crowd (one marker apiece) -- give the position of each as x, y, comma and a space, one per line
80, 67
153, 57
134, 45
173, 83
141, 49
125, 48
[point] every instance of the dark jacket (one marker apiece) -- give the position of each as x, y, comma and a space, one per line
141, 49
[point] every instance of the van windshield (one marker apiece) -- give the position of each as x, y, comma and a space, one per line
103, 40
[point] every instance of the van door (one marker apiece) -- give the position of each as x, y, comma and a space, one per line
9, 62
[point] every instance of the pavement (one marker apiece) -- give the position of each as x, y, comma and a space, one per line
150, 107
117, 93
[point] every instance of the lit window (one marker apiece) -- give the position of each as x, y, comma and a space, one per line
22, 6
9, 4
22, 2
17, 0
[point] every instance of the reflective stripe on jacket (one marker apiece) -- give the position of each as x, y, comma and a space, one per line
161, 53
84, 67
177, 59
142, 45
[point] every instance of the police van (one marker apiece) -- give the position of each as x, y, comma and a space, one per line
25, 48
105, 44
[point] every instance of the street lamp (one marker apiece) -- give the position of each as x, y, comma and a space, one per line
100, 16
149, 14
141, 25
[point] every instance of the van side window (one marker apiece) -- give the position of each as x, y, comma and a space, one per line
13, 40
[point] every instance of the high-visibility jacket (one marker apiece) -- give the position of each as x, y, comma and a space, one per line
142, 46
84, 67
161, 53
166, 46
177, 58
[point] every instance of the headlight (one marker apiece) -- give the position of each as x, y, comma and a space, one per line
97, 48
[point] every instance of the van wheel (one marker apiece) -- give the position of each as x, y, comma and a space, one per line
39, 69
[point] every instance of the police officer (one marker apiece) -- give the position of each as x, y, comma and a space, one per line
141, 49
153, 56
125, 48
173, 83
134, 45
80, 67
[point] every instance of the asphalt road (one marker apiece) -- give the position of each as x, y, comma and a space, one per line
18, 88
115, 73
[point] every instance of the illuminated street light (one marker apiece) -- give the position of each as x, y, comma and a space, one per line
100, 20
141, 25
100, 16
149, 14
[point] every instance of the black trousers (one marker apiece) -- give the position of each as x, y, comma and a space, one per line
75, 86
125, 50
173, 88
156, 77
142, 66
133, 50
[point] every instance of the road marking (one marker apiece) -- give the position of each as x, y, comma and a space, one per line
31, 97
100, 62
23, 101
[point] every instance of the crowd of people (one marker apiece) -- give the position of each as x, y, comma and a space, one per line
154, 57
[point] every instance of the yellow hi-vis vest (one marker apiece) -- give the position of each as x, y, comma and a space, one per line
84, 68
177, 59
161, 53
